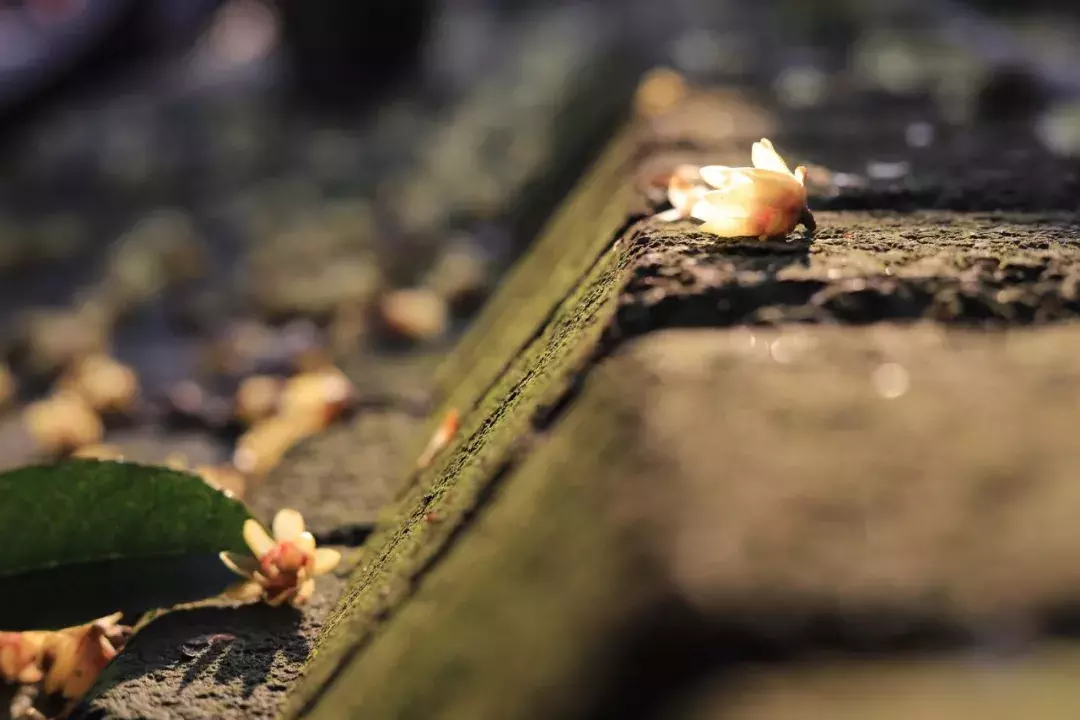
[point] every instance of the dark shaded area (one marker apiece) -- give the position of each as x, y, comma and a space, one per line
672, 651
222, 662
335, 46
45, 598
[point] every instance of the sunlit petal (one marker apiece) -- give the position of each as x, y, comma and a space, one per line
326, 559
719, 204
670, 215
722, 177
733, 227
257, 538
306, 543
763, 155
288, 525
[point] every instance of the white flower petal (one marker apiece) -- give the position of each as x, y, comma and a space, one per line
306, 543
326, 559
722, 177
670, 215
764, 156
684, 187
725, 219
257, 538
732, 226
725, 204
288, 525
243, 565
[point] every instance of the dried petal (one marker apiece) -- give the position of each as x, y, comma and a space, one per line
65, 653
9, 660
243, 565
721, 177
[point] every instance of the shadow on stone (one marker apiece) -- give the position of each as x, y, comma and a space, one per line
203, 653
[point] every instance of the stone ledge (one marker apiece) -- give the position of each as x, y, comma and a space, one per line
404, 644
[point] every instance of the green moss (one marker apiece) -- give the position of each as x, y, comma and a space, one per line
537, 333
540, 571
538, 283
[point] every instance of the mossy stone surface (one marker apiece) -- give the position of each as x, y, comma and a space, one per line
442, 622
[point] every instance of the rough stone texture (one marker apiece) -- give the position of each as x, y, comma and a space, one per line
340, 479
212, 661
736, 496
862, 267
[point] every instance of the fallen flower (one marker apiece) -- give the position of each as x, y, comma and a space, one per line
21, 656
79, 654
285, 565
67, 660
763, 201
446, 431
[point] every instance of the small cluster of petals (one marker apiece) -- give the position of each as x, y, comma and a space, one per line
284, 567
67, 661
762, 201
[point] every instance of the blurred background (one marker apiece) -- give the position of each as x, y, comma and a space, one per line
202, 189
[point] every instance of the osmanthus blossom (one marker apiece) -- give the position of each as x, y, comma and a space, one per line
762, 201
284, 566
67, 661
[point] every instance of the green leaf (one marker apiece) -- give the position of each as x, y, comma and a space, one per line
89, 537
